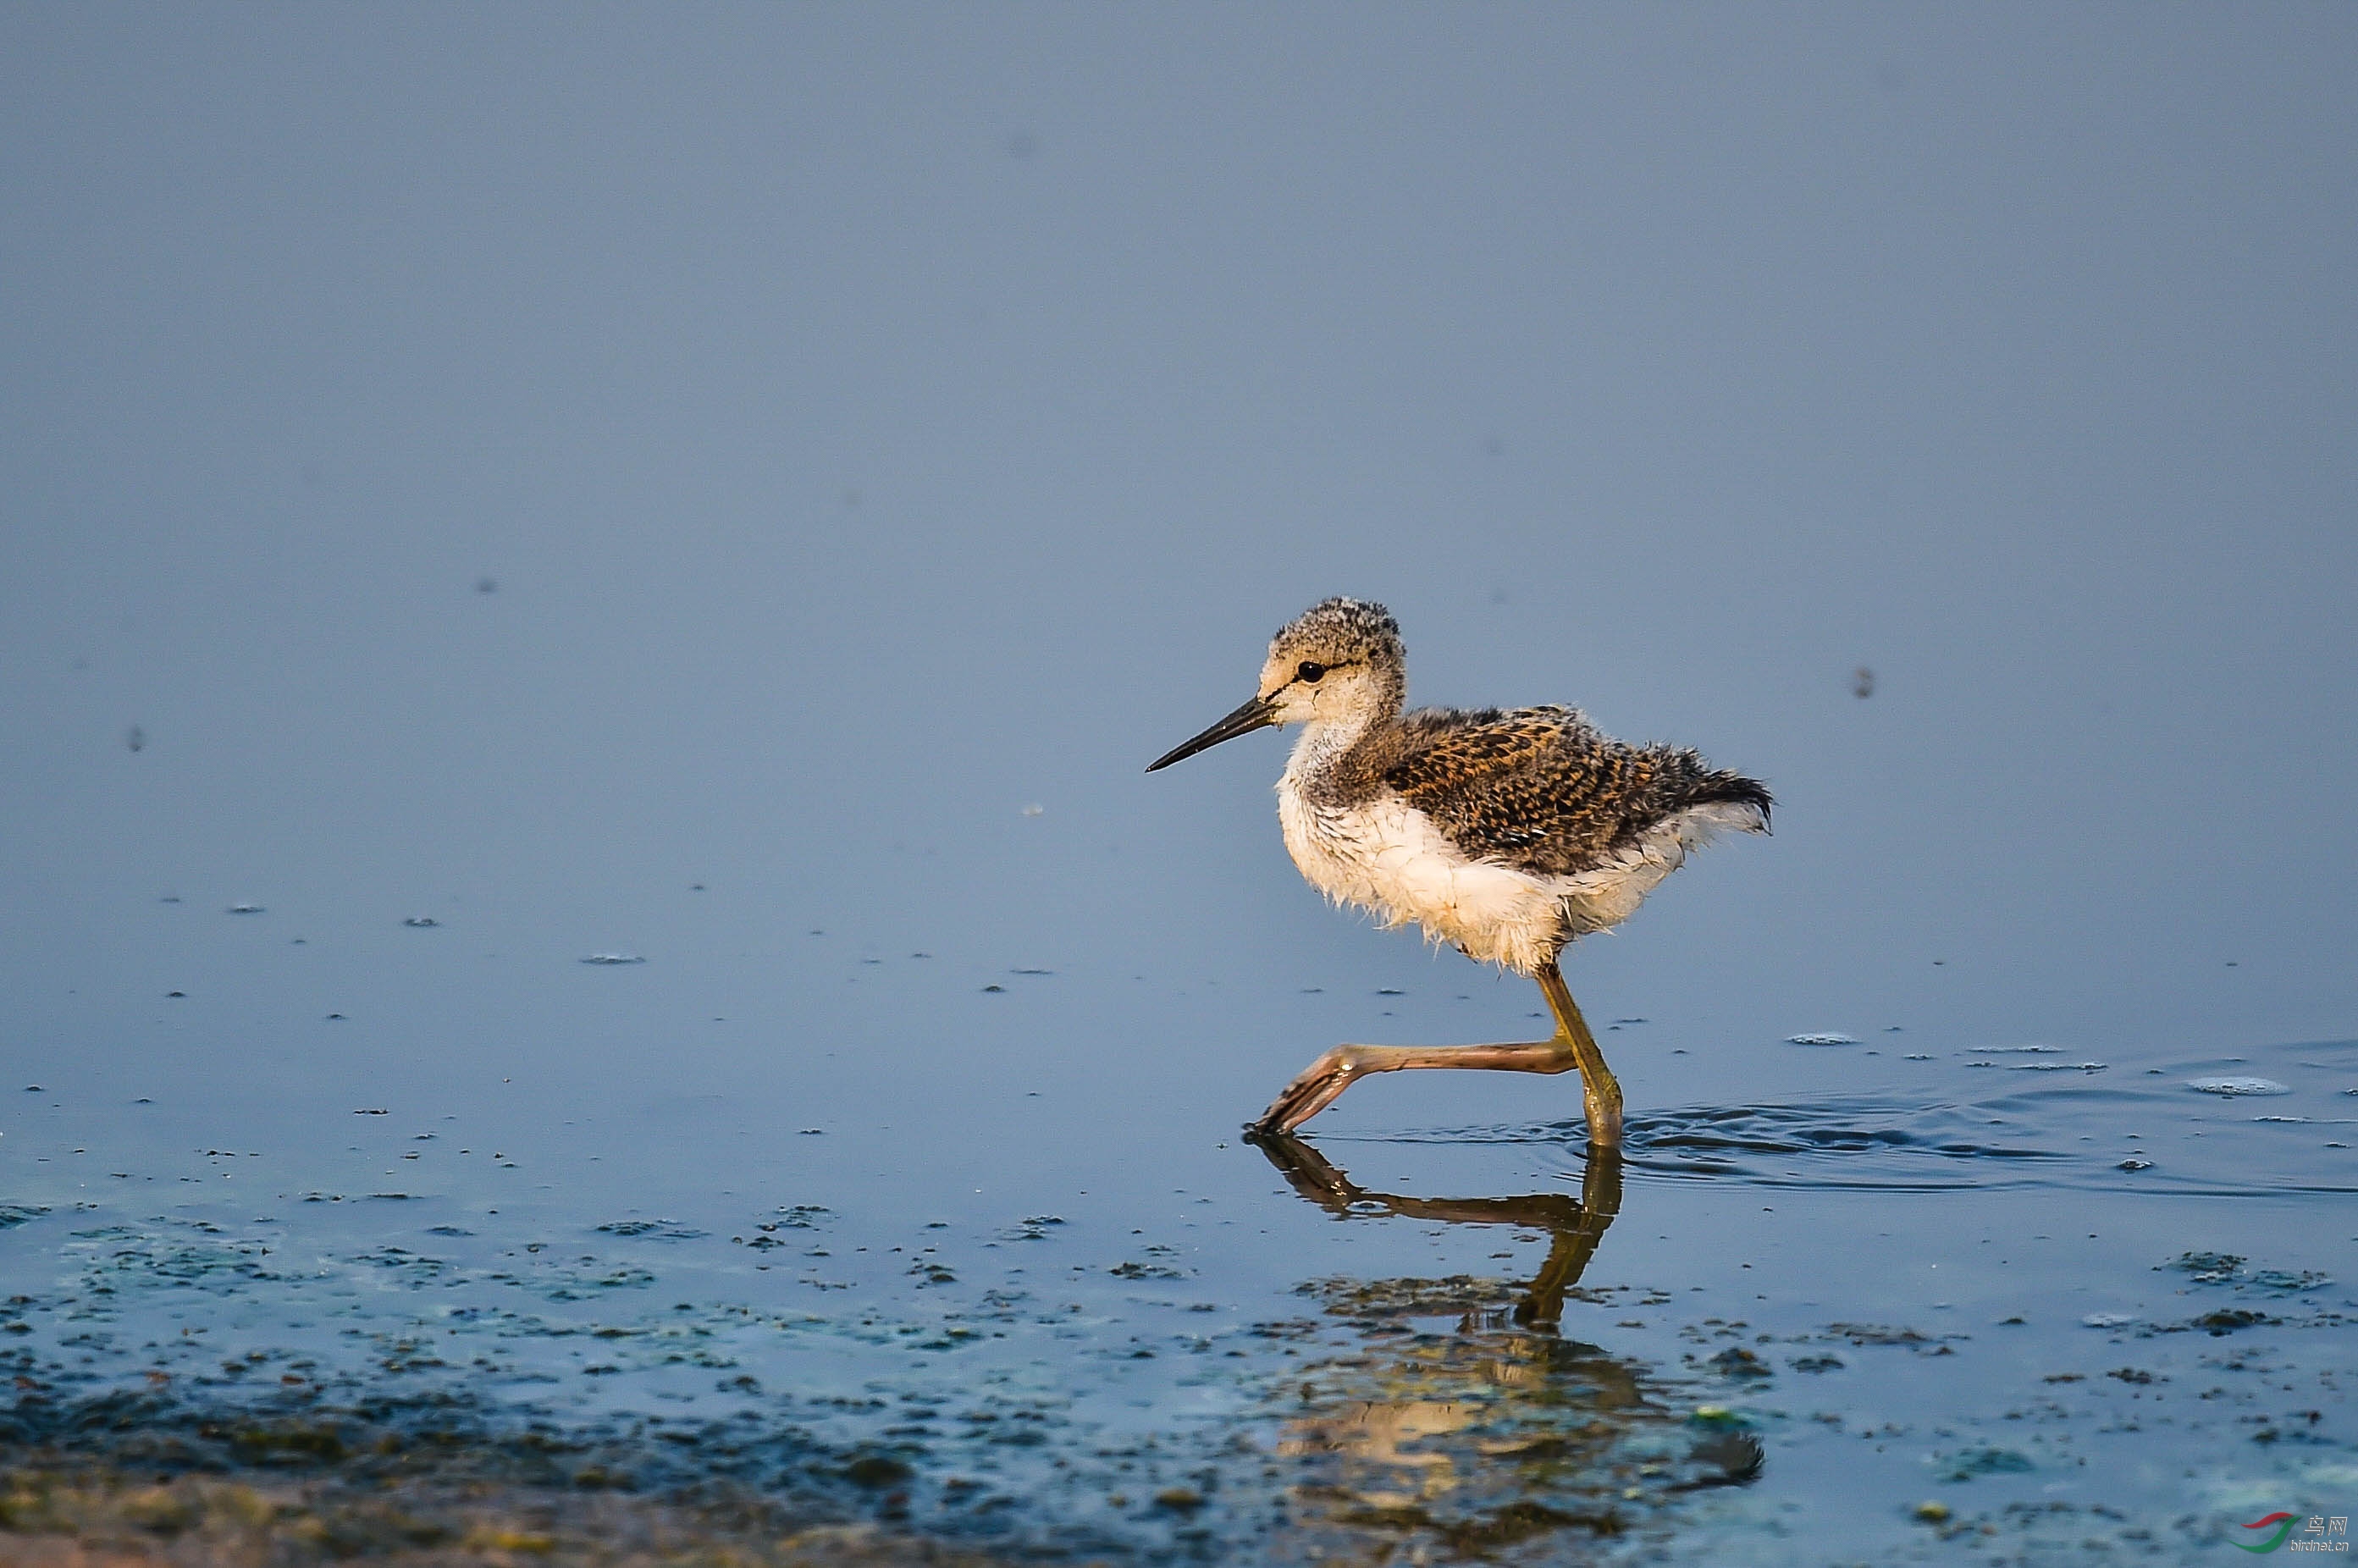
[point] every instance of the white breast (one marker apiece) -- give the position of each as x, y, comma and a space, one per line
1388, 858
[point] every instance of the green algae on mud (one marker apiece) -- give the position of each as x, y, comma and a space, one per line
64, 1515
153, 1478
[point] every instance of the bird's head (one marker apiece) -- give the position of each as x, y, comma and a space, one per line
1340, 661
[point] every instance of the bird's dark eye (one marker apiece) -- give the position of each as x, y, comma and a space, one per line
1311, 671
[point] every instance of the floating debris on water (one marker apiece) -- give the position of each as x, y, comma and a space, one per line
661, 1229
2208, 1268
1972, 1462
246, 909
2109, 1319
610, 959
2238, 1087
421, 923
2227, 1268
1825, 1038
2058, 1067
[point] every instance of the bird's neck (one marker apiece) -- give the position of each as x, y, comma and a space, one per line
1324, 743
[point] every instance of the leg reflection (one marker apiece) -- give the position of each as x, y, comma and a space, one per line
1575, 1225
1412, 1442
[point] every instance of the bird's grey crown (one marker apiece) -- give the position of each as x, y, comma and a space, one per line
1343, 630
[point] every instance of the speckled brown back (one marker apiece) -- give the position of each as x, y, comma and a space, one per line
1539, 789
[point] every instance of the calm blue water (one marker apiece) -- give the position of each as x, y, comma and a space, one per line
749, 493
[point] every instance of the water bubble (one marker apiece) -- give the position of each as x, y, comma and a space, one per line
2233, 1085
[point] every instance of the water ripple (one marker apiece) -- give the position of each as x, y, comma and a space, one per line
2080, 1134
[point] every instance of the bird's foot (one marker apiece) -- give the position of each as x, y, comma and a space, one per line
1313, 1088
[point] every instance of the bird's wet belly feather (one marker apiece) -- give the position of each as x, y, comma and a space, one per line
1387, 857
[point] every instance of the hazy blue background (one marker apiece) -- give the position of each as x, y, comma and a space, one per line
878, 420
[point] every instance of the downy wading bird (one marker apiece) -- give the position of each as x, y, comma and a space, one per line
1507, 833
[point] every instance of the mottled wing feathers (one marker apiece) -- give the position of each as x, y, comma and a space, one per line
1443, 750
1543, 790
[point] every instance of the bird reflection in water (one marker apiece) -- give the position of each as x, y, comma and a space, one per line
1462, 1424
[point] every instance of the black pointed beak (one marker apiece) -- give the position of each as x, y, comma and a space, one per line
1258, 714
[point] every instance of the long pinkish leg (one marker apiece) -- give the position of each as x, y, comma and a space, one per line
1322, 1082
1598, 1087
